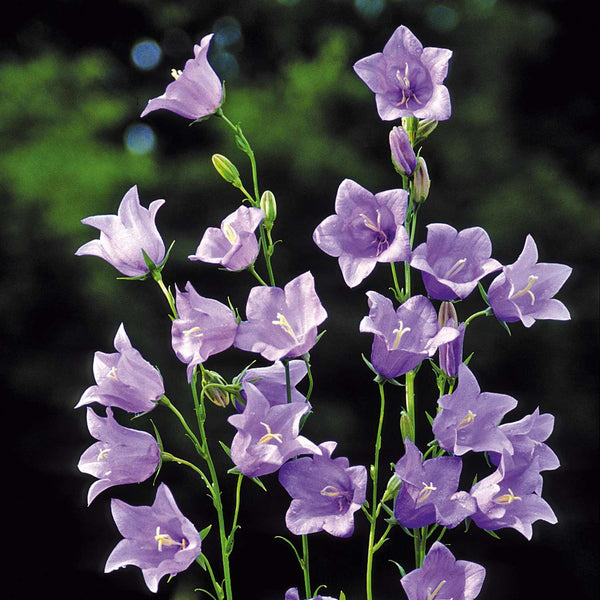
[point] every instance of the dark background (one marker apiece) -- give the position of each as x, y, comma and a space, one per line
519, 155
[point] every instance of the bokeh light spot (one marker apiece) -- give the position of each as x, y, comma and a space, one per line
146, 54
139, 139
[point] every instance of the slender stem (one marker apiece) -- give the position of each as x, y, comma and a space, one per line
203, 561
310, 378
164, 400
410, 401
487, 312
257, 276
167, 456
306, 567
288, 385
398, 292
158, 278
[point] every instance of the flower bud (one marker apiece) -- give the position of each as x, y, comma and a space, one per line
226, 169
392, 488
421, 181
447, 312
213, 388
451, 353
424, 129
406, 427
403, 155
269, 206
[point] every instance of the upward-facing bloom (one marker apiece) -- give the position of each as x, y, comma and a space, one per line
403, 338
326, 493
292, 594
204, 327
403, 155
233, 245
282, 323
123, 236
452, 262
124, 379
407, 79
158, 539
197, 90
524, 290
443, 577
365, 230
121, 455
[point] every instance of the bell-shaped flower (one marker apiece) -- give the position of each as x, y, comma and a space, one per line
451, 354
197, 91
125, 235
293, 594
366, 229
325, 491
469, 419
511, 497
121, 455
403, 338
158, 539
524, 290
407, 79
443, 577
282, 323
429, 491
233, 245
267, 436
403, 155
124, 379
452, 262
203, 327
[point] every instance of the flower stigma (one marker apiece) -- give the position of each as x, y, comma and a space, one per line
407, 91
333, 492
425, 493
382, 239
526, 290
455, 268
269, 436
467, 421
507, 498
164, 539
230, 233
112, 374
284, 324
431, 595
175, 73
194, 332
103, 453
400, 331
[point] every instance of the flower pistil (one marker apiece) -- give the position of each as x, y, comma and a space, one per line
399, 331
269, 435
426, 492
526, 290
284, 324
507, 498
406, 89
432, 594
164, 539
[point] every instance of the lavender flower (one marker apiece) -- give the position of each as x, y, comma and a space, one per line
403, 337
292, 594
124, 379
443, 577
451, 353
123, 236
407, 78
453, 262
510, 497
524, 290
403, 155
282, 323
204, 327
468, 419
234, 245
429, 490
326, 493
365, 230
268, 435
197, 91
120, 456
158, 539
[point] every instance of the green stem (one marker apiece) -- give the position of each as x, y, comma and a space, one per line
288, 385
164, 400
410, 401
257, 276
306, 567
158, 278
398, 291
487, 312
167, 456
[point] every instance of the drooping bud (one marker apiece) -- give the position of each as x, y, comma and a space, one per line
421, 181
424, 129
406, 427
226, 169
392, 488
213, 387
269, 206
451, 353
447, 312
403, 155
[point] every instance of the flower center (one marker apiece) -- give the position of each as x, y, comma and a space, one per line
381, 239
193, 332
269, 436
284, 324
341, 495
164, 539
103, 453
455, 268
467, 421
112, 374
432, 594
526, 290
407, 90
175, 73
399, 331
425, 492
507, 498
230, 233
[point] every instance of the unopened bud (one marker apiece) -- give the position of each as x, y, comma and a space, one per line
406, 428
403, 155
450, 353
226, 169
392, 488
421, 181
447, 312
213, 388
424, 129
269, 206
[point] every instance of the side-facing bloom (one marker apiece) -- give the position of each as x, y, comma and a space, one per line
197, 91
511, 497
267, 436
403, 338
429, 492
121, 455
452, 262
292, 594
282, 323
233, 245
469, 418
451, 353
403, 155
366, 229
524, 290
442, 576
123, 236
407, 79
203, 327
158, 539
124, 379
325, 491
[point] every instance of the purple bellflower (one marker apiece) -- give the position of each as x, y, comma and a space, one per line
204, 327
403, 155
443, 577
452, 262
407, 79
365, 230
403, 337
451, 353
158, 539
293, 594
469, 419
120, 456
282, 323
326, 493
429, 490
124, 379
197, 91
267, 436
524, 290
510, 497
233, 245
123, 236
